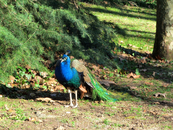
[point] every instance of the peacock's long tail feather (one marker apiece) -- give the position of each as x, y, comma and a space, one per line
100, 91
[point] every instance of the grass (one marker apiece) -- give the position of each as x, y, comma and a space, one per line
135, 26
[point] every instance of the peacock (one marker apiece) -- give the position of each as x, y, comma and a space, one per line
75, 76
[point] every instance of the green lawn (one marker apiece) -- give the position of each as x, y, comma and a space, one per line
135, 26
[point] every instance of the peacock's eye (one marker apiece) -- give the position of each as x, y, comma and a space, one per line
65, 58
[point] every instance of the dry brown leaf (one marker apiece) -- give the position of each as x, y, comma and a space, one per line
11, 111
106, 82
12, 78
45, 100
160, 95
38, 79
129, 75
147, 83
44, 74
152, 112
157, 103
34, 72
71, 57
6, 107
60, 128
95, 67
133, 87
158, 57
150, 56
136, 76
27, 67
132, 75
165, 85
58, 87
51, 82
143, 60
32, 119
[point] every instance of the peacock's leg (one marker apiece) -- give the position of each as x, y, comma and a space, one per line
70, 94
75, 99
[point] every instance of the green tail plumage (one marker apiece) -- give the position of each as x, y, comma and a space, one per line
100, 91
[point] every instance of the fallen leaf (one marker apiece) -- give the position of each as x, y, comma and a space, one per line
11, 111
43, 74
165, 85
58, 88
147, 83
158, 57
106, 82
27, 67
45, 100
34, 72
157, 103
160, 95
152, 112
150, 56
71, 57
133, 87
33, 119
132, 75
143, 60
12, 78
6, 107
60, 128
39, 80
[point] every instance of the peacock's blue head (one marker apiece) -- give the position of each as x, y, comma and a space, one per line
65, 59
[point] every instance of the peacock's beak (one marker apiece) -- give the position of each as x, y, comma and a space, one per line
62, 60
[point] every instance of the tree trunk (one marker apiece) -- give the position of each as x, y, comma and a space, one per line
163, 46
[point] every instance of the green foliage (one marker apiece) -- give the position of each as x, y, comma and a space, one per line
106, 122
34, 31
141, 3
137, 72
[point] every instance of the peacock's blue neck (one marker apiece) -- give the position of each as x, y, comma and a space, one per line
63, 72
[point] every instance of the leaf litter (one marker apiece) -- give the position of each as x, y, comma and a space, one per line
41, 87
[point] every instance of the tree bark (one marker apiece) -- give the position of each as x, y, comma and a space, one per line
163, 46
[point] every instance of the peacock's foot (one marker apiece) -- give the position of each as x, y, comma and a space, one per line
75, 106
68, 105
71, 105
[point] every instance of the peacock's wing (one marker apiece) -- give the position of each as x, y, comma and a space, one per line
89, 78
79, 66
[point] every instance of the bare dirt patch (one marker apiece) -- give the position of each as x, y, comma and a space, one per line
126, 115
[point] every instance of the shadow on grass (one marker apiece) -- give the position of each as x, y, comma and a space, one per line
123, 32
119, 14
125, 93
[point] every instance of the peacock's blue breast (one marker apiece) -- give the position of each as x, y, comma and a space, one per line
68, 77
